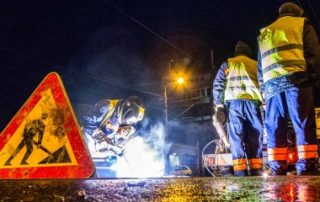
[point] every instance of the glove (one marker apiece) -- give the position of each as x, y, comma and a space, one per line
218, 107
125, 131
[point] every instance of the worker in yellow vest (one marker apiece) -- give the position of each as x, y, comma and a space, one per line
236, 88
288, 65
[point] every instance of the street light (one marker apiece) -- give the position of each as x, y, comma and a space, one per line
180, 80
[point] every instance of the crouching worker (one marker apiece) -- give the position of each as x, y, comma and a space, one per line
110, 123
236, 88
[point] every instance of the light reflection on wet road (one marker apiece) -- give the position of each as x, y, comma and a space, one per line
284, 188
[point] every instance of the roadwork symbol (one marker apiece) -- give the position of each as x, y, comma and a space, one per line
44, 140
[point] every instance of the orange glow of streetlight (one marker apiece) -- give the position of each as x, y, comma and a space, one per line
180, 80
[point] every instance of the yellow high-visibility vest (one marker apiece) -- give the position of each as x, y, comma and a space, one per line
241, 79
281, 47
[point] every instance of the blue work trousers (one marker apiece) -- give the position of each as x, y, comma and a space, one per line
245, 130
298, 105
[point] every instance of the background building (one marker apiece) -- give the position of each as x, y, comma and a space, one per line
189, 121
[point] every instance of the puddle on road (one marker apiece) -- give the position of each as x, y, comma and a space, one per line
290, 191
268, 189
191, 189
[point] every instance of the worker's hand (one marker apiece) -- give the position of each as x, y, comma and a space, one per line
125, 131
218, 107
97, 133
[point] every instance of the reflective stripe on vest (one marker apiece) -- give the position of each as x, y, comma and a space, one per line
110, 111
241, 76
281, 47
308, 151
239, 164
255, 163
277, 154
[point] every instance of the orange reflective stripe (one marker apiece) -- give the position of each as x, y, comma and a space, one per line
308, 151
309, 147
239, 164
277, 154
239, 161
277, 157
256, 163
308, 155
256, 166
277, 151
257, 160
240, 167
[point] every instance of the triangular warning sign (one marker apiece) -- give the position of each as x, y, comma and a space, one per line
44, 140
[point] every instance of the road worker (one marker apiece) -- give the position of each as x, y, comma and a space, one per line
236, 89
288, 65
110, 123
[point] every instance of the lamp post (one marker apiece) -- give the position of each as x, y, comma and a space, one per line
166, 82
165, 105
180, 81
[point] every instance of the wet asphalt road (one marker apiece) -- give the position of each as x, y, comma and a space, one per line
284, 188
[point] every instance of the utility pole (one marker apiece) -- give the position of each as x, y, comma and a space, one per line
166, 83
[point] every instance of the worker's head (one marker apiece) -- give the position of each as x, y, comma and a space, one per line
290, 9
131, 111
242, 48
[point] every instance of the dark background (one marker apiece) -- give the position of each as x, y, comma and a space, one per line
113, 48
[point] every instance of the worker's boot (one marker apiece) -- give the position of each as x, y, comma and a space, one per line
307, 167
241, 173
256, 172
278, 167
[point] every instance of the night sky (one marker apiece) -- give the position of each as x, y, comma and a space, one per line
117, 48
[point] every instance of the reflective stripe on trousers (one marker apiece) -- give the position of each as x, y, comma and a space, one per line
277, 154
255, 163
308, 151
239, 164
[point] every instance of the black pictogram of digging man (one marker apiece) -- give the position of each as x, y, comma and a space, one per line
31, 129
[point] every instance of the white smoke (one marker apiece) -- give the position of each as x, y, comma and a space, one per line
144, 154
